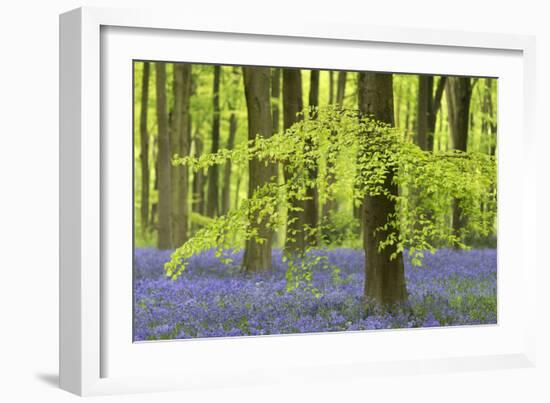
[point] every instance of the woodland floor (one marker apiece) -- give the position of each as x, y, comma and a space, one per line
212, 299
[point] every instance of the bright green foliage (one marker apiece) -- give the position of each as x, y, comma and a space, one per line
359, 152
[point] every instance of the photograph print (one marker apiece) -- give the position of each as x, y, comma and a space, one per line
277, 200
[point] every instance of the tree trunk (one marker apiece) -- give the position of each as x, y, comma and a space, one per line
275, 112
275, 95
432, 112
331, 87
257, 255
425, 90
331, 205
164, 237
212, 207
384, 277
341, 89
198, 204
144, 149
292, 104
489, 126
459, 93
227, 168
311, 204
180, 146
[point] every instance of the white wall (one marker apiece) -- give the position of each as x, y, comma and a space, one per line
29, 202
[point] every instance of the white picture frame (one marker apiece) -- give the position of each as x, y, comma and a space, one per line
96, 355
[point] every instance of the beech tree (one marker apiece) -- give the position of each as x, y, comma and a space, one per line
180, 146
164, 233
226, 190
384, 273
459, 93
144, 151
295, 240
257, 254
427, 108
212, 206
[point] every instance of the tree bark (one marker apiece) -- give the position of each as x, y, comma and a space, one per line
384, 277
330, 87
311, 204
489, 126
198, 204
144, 149
341, 89
295, 241
424, 103
275, 95
459, 93
257, 255
180, 145
331, 205
226, 192
436, 105
164, 236
212, 206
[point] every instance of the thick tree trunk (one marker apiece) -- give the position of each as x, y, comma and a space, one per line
180, 145
212, 206
164, 237
459, 93
295, 241
144, 149
384, 277
257, 255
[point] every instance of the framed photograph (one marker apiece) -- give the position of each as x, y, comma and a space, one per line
244, 204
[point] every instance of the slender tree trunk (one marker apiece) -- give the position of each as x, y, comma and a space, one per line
257, 255
424, 103
311, 204
154, 205
180, 146
489, 121
198, 205
227, 168
432, 112
275, 112
144, 150
384, 277
164, 237
275, 96
226, 191
292, 104
331, 205
459, 93
341, 89
331, 87
314, 90
212, 207
358, 205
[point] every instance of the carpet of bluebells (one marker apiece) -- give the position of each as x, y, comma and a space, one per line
212, 299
